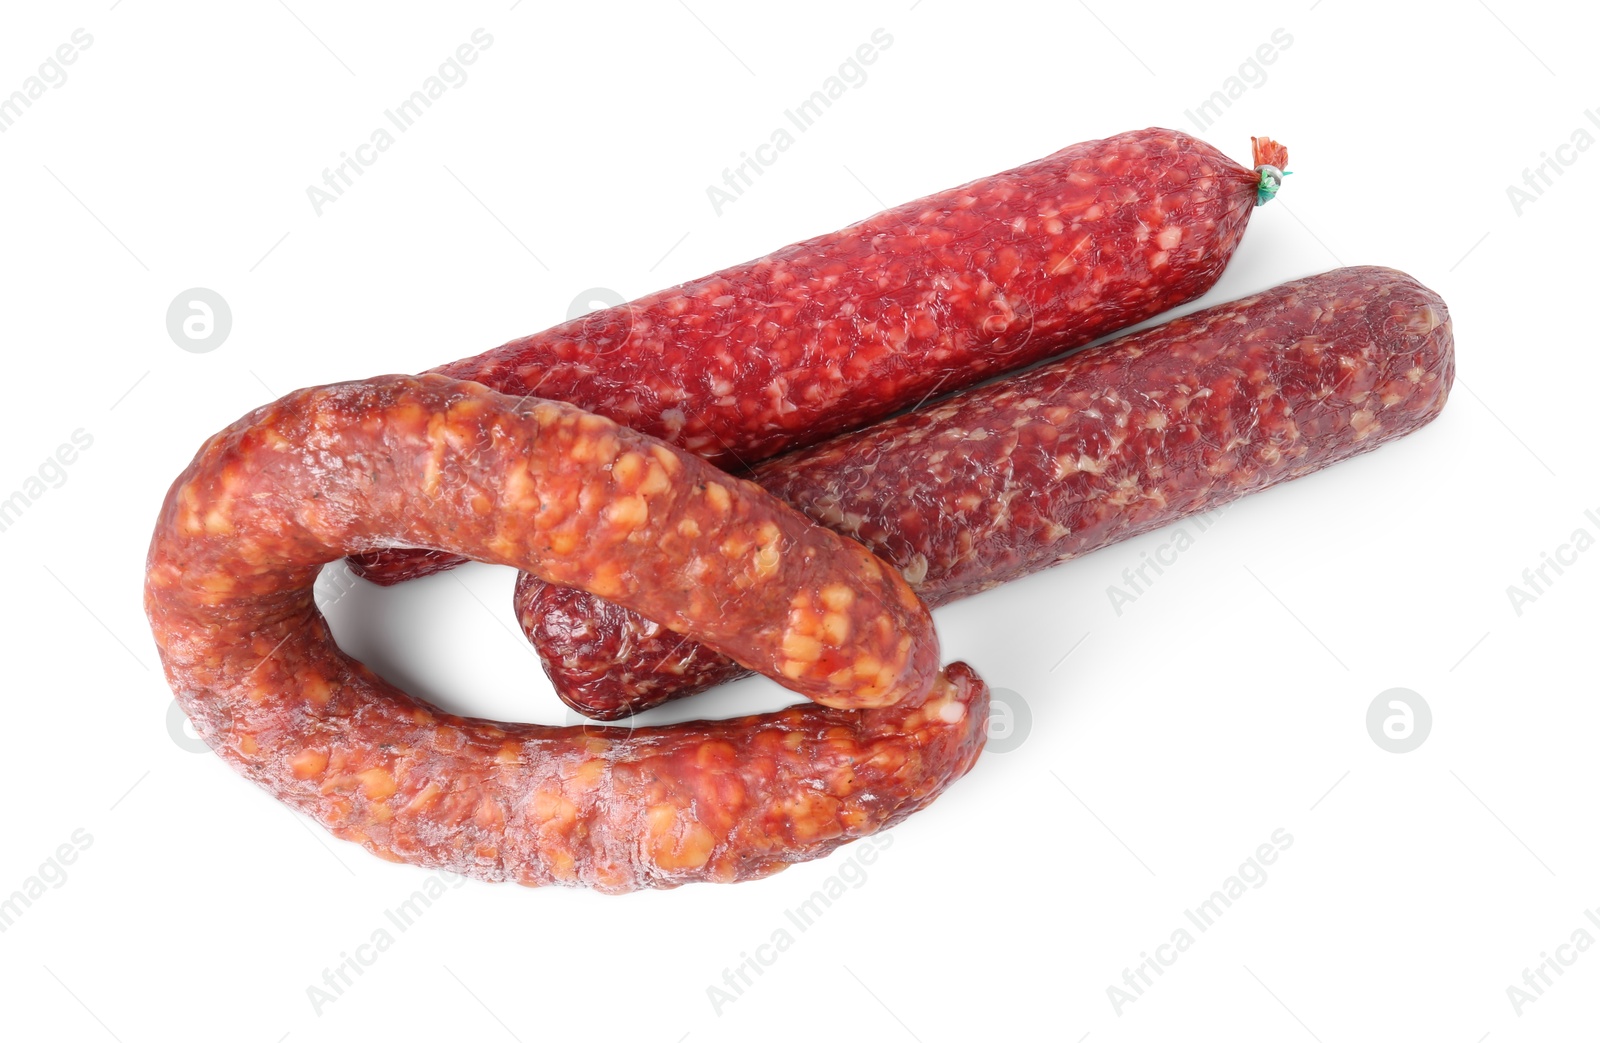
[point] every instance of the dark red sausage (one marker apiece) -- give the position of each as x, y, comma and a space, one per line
446, 464
935, 295
1008, 479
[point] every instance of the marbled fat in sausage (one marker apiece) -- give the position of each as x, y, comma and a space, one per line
446, 464
1008, 479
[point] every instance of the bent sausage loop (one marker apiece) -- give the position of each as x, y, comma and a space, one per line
578, 500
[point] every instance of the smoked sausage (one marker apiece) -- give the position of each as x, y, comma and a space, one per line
928, 297
453, 466
1114, 441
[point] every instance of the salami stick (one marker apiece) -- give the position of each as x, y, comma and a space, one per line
1008, 479
929, 297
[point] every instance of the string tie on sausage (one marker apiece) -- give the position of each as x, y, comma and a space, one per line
1271, 181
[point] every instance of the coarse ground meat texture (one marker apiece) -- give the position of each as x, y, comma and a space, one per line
451, 465
1109, 443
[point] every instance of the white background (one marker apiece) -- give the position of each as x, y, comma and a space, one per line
1227, 702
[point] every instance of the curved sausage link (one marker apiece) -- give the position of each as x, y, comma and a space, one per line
445, 464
